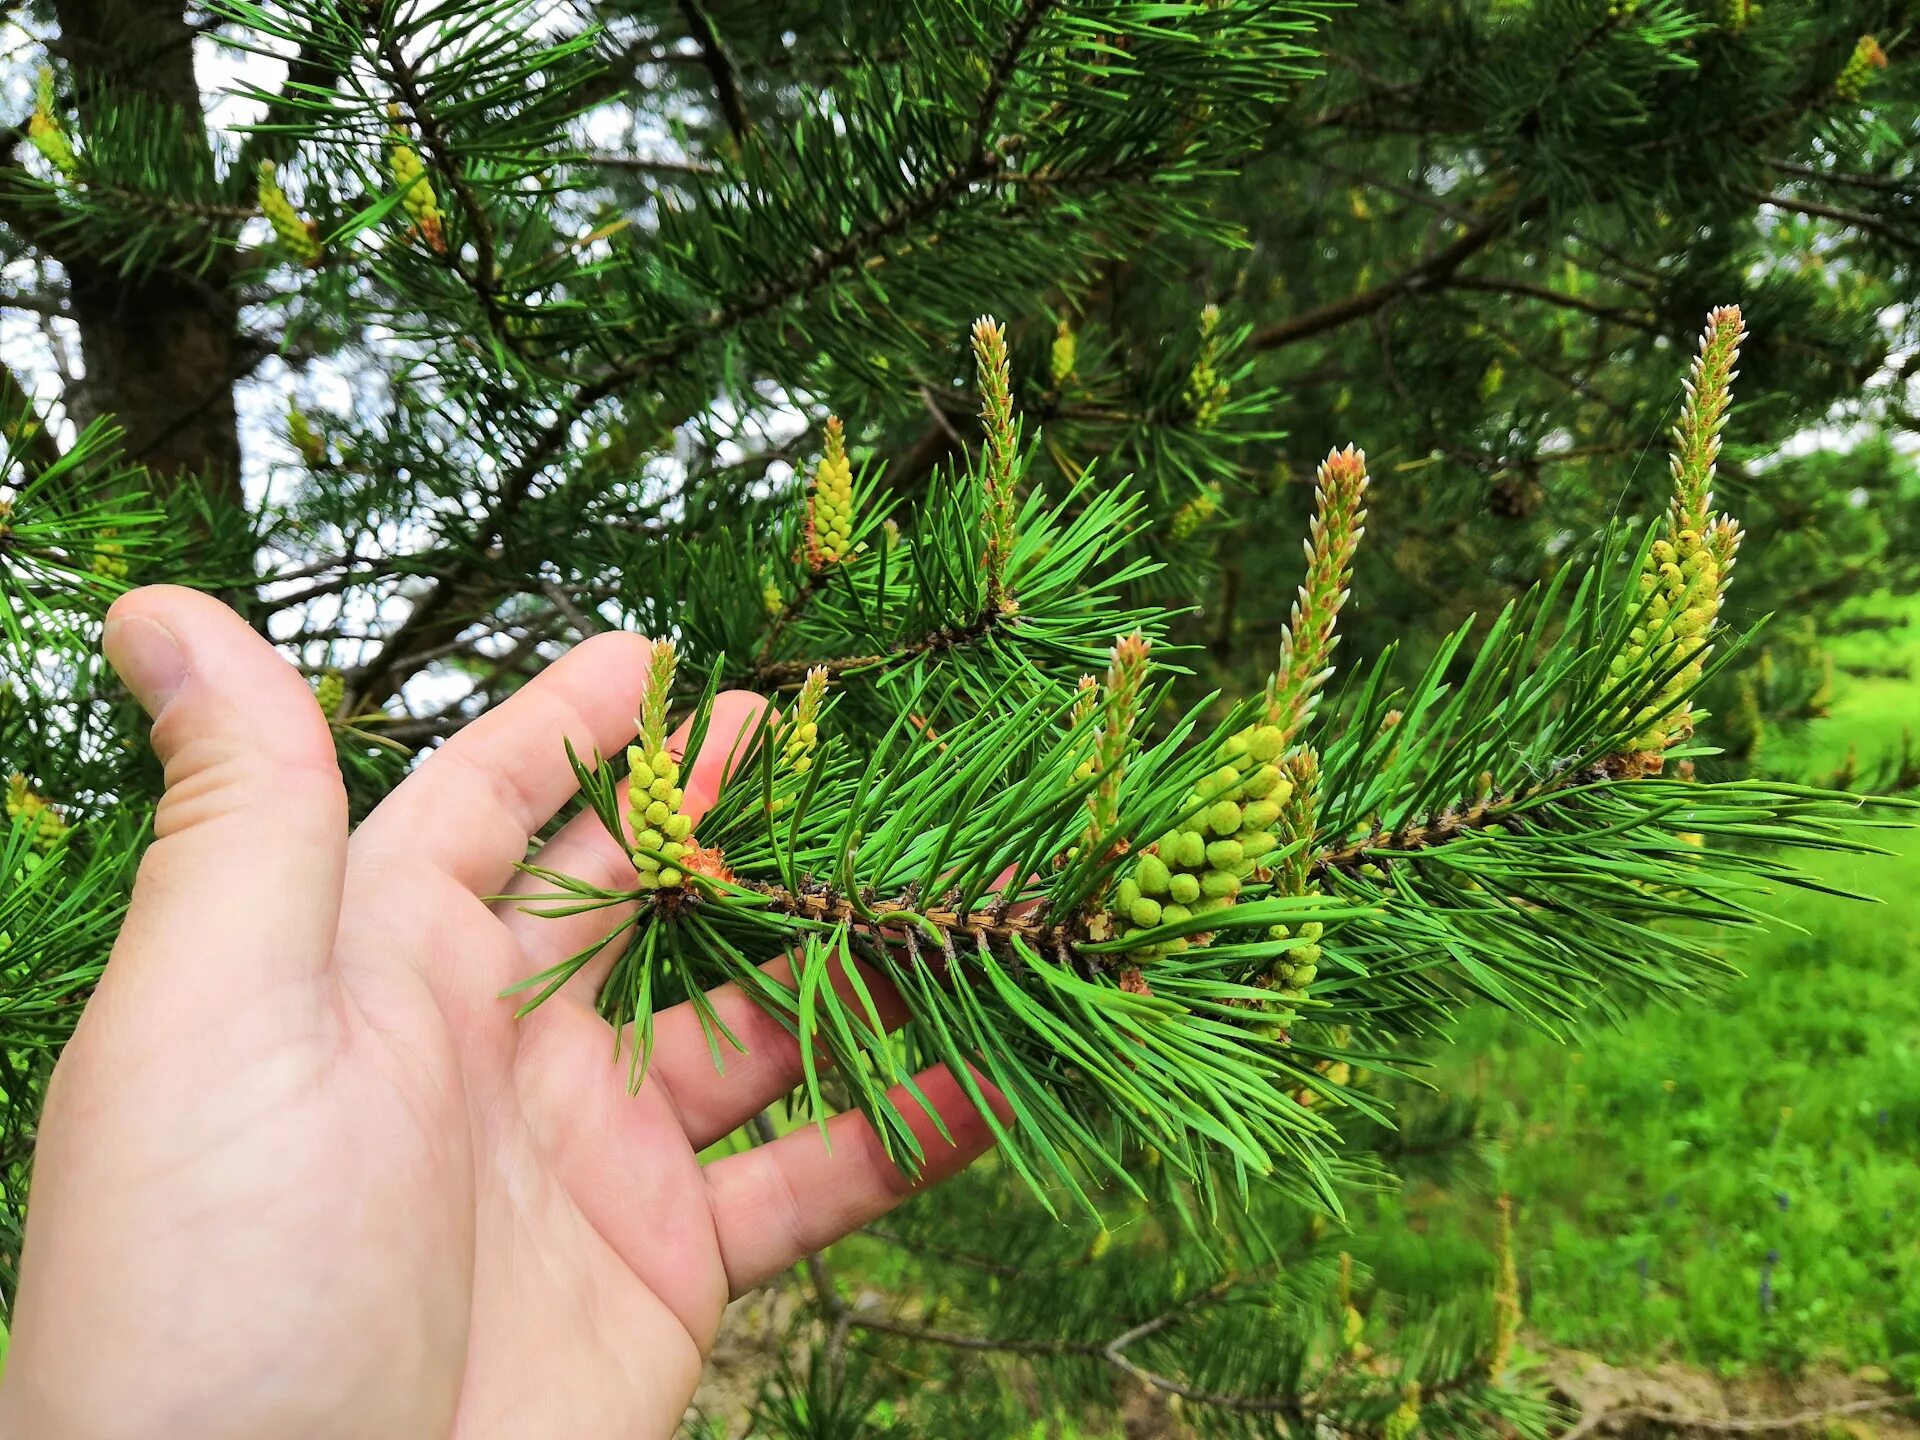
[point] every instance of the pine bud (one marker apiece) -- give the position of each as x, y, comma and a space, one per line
1195, 513
1205, 395
409, 176
1406, 1417
1852, 81
830, 502
1697, 435
1061, 358
663, 847
999, 459
329, 692
299, 238
34, 811
109, 556
1306, 646
1201, 867
1086, 705
1120, 703
1299, 820
308, 441
803, 733
1736, 15
1723, 544
1684, 579
49, 136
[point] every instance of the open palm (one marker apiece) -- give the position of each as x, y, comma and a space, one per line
301, 1172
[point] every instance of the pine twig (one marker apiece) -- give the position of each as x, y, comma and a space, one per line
1433, 271
988, 156
1904, 185
1112, 1352
1449, 824
650, 165
1506, 285
726, 80
576, 617
1852, 219
483, 279
783, 674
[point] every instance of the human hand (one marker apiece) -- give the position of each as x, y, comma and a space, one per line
302, 1173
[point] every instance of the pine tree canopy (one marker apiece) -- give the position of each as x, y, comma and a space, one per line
436, 335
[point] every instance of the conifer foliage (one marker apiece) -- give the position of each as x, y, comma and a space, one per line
465, 328
1163, 932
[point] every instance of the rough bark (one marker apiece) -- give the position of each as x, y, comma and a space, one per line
163, 350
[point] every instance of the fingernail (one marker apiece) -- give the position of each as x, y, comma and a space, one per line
147, 657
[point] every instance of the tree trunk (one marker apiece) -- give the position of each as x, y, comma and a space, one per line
162, 349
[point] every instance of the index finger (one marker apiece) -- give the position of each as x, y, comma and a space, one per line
800, 1193
472, 805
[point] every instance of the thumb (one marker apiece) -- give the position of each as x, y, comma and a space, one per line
241, 886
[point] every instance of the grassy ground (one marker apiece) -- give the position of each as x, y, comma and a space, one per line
1733, 1183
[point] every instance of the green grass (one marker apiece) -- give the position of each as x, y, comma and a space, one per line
1735, 1182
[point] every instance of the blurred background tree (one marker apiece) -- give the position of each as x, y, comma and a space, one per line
422, 390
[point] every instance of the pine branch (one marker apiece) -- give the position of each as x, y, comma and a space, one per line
953, 930
1902, 185
1572, 383
951, 1340
1300, 1411
483, 277
1435, 270
1409, 839
1498, 285
919, 1245
1853, 219
386, 673
651, 165
726, 82
575, 616
397, 660
786, 674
